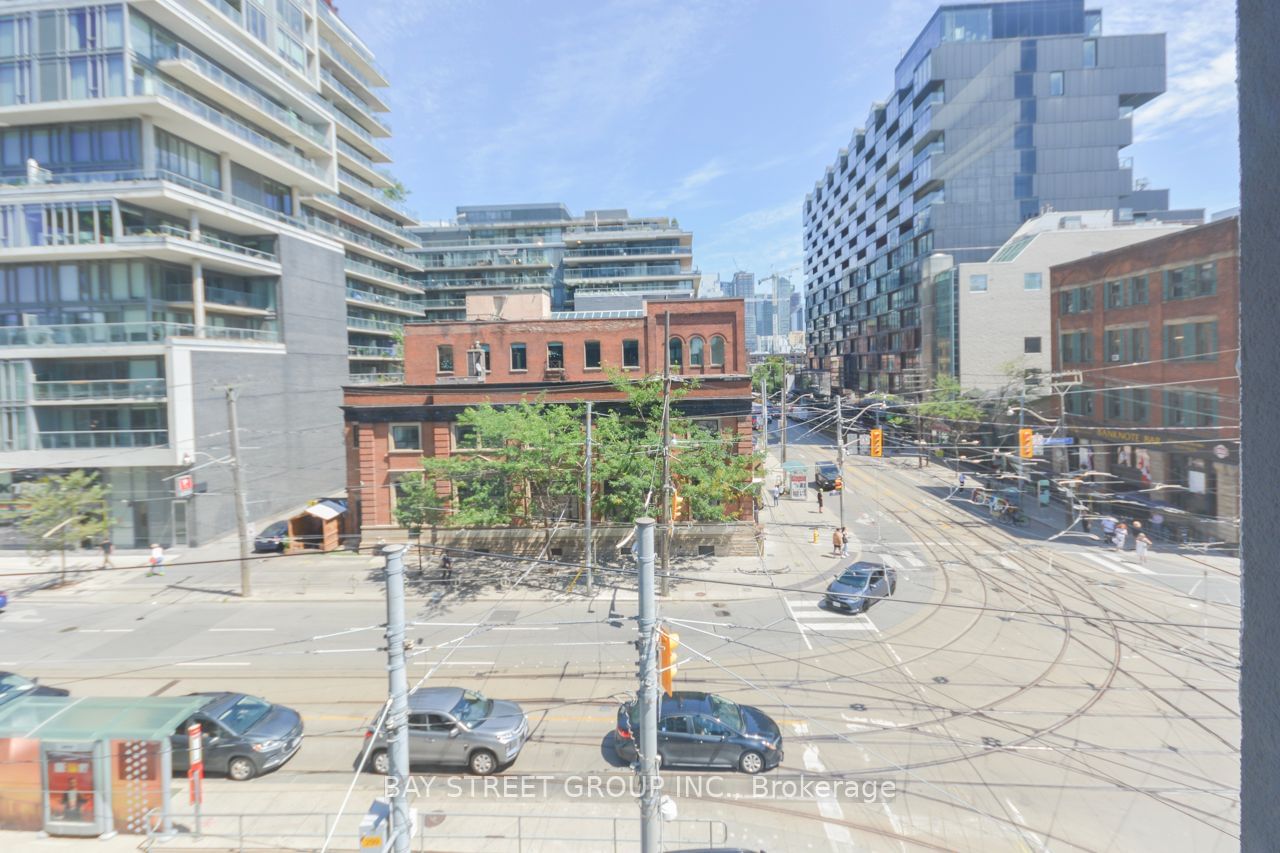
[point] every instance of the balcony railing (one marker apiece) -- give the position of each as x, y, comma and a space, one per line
154, 86
630, 226
105, 334
331, 51
488, 281
373, 325
227, 9
376, 193
367, 109
349, 150
104, 438
207, 239
253, 96
348, 38
371, 352
366, 216
353, 266
380, 299
99, 389
462, 240
627, 251
411, 261
518, 258
239, 299
579, 273
387, 378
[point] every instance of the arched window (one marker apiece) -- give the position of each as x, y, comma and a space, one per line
675, 352
695, 351
717, 351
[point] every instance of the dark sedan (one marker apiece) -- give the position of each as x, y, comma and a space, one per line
13, 685
827, 477
244, 736
704, 730
272, 538
860, 584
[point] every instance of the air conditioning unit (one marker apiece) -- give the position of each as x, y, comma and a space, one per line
1115, 357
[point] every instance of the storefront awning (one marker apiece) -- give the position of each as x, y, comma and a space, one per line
90, 718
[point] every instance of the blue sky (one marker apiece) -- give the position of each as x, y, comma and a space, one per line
721, 114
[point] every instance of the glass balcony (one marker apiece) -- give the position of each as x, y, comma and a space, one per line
360, 268
366, 216
348, 38
489, 281
370, 325
98, 438
108, 334
491, 258
358, 295
381, 378
365, 108
376, 193
371, 352
155, 86
215, 296
232, 12
637, 271
160, 231
100, 389
626, 251
331, 51
335, 230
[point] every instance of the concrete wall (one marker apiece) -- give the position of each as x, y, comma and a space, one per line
289, 402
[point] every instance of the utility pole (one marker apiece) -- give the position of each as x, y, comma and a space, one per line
237, 480
784, 413
764, 407
647, 695
397, 724
591, 586
666, 453
840, 452
1022, 422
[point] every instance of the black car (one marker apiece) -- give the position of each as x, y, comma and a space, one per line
827, 477
244, 736
704, 730
13, 685
860, 584
272, 538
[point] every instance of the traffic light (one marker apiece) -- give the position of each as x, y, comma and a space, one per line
668, 642
679, 507
1026, 443
839, 484
877, 442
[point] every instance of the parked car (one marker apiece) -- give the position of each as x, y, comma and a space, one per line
705, 730
457, 727
827, 477
860, 584
13, 685
4, 600
272, 538
244, 736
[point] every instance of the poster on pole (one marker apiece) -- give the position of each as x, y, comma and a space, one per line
195, 768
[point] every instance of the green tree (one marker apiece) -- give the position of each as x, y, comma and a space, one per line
948, 404
65, 511
397, 192
771, 372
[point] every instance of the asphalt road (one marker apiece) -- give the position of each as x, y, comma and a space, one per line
1019, 694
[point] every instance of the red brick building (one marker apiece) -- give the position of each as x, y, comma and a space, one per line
1153, 329
451, 366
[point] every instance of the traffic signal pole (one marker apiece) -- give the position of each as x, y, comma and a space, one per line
647, 696
840, 453
397, 724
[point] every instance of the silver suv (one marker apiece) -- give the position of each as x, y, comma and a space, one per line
452, 726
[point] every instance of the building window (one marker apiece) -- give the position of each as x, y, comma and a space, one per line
1022, 186
555, 355
1077, 300
1056, 83
717, 351
591, 354
1022, 136
290, 50
1092, 22
1190, 409
1191, 341
1125, 404
630, 353
519, 357
1022, 85
696, 345
1078, 402
1028, 56
1032, 281
1090, 53
444, 358
1031, 345
177, 155
1191, 282
1028, 159
1126, 345
1125, 292
1076, 347
465, 437
675, 352
406, 436
977, 284
1027, 108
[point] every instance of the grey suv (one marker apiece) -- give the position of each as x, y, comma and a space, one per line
452, 726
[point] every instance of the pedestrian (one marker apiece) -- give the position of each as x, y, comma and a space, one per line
446, 566
156, 560
844, 541
819, 499
1108, 528
1135, 530
106, 552
962, 479
1140, 545
1157, 524
837, 541
776, 491
1121, 536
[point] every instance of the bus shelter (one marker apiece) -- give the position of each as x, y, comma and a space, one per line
88, 766
795, 480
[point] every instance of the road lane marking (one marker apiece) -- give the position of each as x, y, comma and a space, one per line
455, 663
803, 635
214, 663
228, 630
828, 806
1027, 834
1119, 566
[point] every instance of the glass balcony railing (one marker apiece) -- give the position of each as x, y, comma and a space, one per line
360, 268
382, 378
637, 271
161, 231
215, 296
332, 52
348, 150
368, 189
366, 109
98, 438
99, 389
629, 226
325, 227
348, 38
108, 334
147, 85
366, 216
626, 251
514, 257
372, 325
371, 352
489, 281
358, 295
227, 9
250, 94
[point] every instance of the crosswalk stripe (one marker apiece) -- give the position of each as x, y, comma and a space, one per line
807, 602
1107, 564
914, 561
890, 561
1008, 564
821, 627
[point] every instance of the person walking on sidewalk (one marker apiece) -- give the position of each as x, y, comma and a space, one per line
776, 491
819, 499
1141, 543
844, 541
837, 541
156, 560
446, 567
106, 552
1122, 535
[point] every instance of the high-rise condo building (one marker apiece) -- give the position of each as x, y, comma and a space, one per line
190, 200
603, 260
999, 111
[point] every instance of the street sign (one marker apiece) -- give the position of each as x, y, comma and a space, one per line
1059, 441
184, 485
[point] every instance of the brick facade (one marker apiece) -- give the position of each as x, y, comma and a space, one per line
1178, 355
432, 400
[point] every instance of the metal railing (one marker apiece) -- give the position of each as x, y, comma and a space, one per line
371, 352
250, 94
387, 378
373, 325
148, 85
343, 233
360, 268
107, 334
99, 389
626, 251
93, 438
381, 299
367, 216
365, 108
160, 231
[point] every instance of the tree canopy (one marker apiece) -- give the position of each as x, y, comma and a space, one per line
947, 402
64, 512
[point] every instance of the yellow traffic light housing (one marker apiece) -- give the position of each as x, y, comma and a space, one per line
668, 642
1026, 443
877, 443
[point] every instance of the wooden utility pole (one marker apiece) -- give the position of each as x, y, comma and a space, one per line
665, 582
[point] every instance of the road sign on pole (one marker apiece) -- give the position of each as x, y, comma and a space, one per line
184, 486
195, 769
